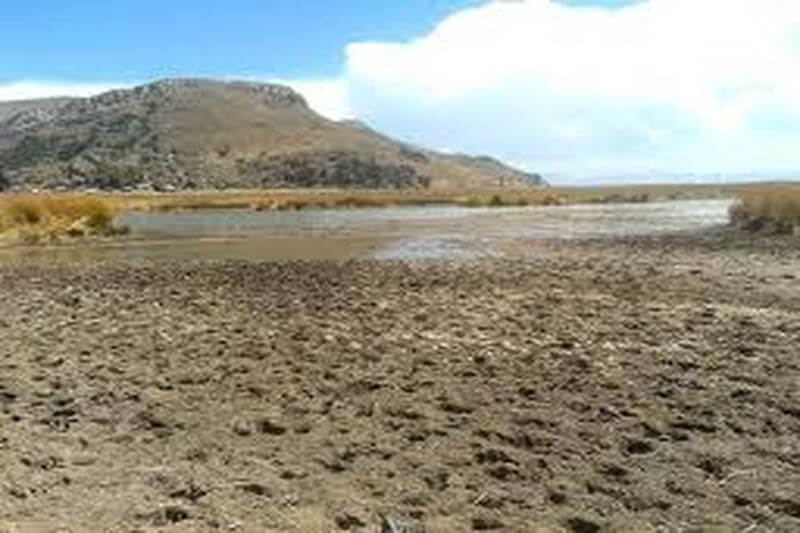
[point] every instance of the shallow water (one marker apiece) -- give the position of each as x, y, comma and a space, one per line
446, 232
243, 222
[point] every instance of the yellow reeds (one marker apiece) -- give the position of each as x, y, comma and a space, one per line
775, 207
48, 217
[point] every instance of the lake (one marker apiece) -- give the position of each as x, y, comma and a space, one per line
447, 232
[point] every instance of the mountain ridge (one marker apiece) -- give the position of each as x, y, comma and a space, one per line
192, 133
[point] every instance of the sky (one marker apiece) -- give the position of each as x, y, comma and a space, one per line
569, 88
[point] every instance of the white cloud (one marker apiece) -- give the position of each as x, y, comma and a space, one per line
696, 85
330, 98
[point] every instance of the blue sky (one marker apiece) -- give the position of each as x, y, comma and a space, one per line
571, 88
125, 40
94, 40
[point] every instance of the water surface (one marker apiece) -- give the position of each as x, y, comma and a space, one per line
448, 232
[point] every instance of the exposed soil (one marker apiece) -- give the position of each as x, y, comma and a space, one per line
627, 385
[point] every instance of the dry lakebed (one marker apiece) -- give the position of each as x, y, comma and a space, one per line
599, 383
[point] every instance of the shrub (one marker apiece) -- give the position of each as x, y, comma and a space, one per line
39, 217
24, 211
99, 215
776, 208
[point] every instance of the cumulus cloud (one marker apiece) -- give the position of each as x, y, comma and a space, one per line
330, 98
693, 85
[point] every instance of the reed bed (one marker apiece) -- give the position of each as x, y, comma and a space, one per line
35, 218
775, 208
309, 199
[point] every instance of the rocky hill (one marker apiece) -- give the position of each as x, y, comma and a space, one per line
41, 106
200, 134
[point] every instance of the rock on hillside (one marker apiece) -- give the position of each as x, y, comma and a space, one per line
194, 133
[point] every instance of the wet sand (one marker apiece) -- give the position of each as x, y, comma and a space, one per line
256, 248
632, 384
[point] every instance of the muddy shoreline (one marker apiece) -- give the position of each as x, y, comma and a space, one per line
597, 385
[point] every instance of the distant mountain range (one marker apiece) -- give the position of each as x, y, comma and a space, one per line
657, 177
182, 134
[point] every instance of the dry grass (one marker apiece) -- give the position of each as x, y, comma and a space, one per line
50, 217
333, 198
650, 192
775, 207
482, 197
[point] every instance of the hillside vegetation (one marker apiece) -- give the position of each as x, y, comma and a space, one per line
201, 134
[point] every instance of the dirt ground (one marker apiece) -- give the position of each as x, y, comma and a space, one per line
648, 384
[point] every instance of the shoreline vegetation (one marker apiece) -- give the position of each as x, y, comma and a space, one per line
51, 217
47, 218
769, 210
